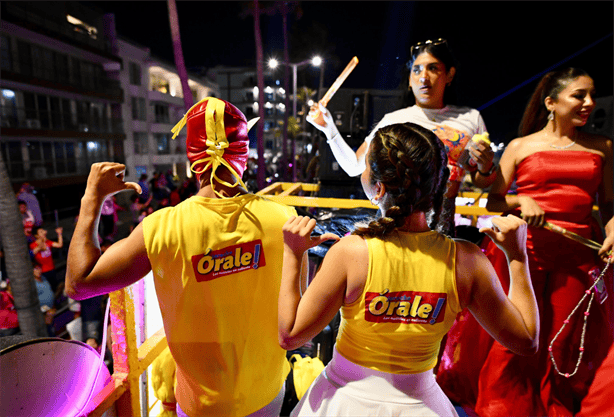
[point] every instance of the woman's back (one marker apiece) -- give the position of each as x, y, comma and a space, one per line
408, 303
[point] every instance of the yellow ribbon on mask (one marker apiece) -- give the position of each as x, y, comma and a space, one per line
216, 142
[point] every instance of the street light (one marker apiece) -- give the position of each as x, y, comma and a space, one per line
316, 61
273, 63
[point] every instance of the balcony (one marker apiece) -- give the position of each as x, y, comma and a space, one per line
15, 120
50, 77
20, 15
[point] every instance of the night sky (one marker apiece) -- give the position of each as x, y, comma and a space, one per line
500, 46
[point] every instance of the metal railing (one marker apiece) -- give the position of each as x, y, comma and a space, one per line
36, 119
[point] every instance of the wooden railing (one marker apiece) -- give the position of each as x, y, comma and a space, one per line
130, 361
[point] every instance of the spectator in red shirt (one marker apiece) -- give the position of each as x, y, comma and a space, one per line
41, 250
9, 323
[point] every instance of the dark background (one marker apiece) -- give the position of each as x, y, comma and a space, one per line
502, 47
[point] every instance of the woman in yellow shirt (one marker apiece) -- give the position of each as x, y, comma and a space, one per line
399, 283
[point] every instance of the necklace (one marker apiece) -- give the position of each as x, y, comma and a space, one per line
569, 145
563, 147
566, 322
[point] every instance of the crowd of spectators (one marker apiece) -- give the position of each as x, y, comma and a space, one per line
47, 254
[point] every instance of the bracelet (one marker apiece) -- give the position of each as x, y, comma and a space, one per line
492, 169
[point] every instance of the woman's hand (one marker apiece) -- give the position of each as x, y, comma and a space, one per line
510, 235
608, 244
532, 213
323, 120
483, 155
297, 235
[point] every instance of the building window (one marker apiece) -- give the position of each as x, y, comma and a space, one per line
80, 26
162, 143
8, 109
139, 112
135, 73
159, 84
141, 144
249, 111
162, 115
5, 58
97, 151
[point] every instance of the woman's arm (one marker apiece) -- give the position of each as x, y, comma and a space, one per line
512, 320
301, 318
605, 198
351, 162
498, 198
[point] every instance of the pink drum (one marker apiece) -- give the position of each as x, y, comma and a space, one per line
50, 377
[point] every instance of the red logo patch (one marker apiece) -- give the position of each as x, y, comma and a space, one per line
405, 307
229, 260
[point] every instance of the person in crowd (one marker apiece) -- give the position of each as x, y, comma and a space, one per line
188, 188
137, 207
216, 259
43, 256
26, 215
26, 194
399, 283
9, 322
427, 97
144, 196
107, 218
560, 173
27, 230
174, 197
46, 297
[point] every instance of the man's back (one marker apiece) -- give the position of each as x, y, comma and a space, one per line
217, 268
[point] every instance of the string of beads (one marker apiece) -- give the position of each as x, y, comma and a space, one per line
588, 292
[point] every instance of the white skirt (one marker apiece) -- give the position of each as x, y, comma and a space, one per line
346, 389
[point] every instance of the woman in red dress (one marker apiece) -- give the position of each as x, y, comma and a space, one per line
560, 173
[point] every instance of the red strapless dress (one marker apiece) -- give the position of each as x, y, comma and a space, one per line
474, 369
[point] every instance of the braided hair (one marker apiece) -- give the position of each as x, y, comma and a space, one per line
411, 162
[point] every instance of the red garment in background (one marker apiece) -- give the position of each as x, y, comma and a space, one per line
8, 314
598, 402
479, 373
45, 257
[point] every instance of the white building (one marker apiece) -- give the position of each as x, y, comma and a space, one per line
60, 107
239, 86
153, 105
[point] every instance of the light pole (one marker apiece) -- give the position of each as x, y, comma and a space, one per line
273, 63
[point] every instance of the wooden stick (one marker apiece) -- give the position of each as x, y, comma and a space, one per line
571, 235
340, 79
333, 88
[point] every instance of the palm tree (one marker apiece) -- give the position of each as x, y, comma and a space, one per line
179, 63
18, 263
286, 8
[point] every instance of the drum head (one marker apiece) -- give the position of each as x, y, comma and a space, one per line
49, 377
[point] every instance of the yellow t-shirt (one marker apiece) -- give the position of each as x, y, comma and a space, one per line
217, 271
409, 303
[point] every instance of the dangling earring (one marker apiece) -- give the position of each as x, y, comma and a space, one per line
551, 115
374, 201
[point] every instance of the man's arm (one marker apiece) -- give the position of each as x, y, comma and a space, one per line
87, 272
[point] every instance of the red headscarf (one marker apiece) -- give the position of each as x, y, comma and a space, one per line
217, 135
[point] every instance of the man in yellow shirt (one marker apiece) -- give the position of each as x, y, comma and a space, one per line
216, 260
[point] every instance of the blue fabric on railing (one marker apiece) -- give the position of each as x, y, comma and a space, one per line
339, 222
